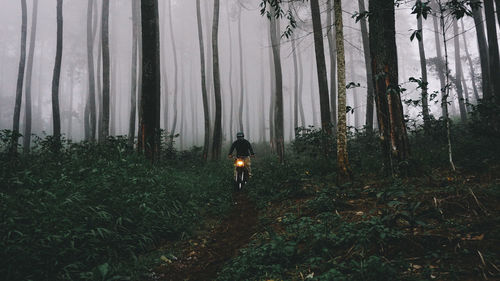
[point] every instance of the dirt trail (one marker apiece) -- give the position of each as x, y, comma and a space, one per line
205, 257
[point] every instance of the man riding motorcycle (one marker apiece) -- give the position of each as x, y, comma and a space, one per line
243, 151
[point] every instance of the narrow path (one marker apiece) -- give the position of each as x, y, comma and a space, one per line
206, 257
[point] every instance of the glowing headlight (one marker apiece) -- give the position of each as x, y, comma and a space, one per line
240, 163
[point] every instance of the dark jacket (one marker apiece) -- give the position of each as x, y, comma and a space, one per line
243, 148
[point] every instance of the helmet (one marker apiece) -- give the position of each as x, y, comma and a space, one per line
240, 135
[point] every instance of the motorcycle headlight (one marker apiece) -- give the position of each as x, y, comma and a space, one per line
240, 163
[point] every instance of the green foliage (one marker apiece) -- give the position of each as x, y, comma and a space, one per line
90, 210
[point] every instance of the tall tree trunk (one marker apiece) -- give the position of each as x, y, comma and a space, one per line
231, 96
321, 69
242, 87
343, 167
278, 106
333, 65
56, 116
90, 64
272, 95
70, 110
368, 67
477, 14
295, 85
174, 50
149, 113
204, 95
439, 55
446, 90
494, 58
471, 65
383, 51
29, 74
301, 87
459, 73
217, 140
423, 69
133, 78
262, 119
20, 78
313, 100
105, 73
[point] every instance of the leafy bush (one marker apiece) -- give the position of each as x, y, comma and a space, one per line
90, 210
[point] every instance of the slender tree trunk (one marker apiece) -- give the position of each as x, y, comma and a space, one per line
273, 91
446, 90
278, 106
343, 167
70, 110
333, 65
494, 58
295, 85
133, 78
217, 143
29, 74
301, 87
477, 14
313, 100
20, 78
383, 51
368, 66
459, 73
149, 113
242, 86
56, 116
440, 64
262, 119
90, 64
471, 65
231, 110
105, 73
321, 69
423, 69
204, 95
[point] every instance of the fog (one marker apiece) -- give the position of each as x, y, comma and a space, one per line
255, 57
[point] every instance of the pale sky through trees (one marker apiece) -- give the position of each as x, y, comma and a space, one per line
255, 38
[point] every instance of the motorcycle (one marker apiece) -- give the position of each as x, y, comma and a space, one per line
241, 175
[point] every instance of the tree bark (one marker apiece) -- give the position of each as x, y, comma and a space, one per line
423, 69
483, 51
133, 78
368, 66
149, 113
321, 69
278, 97
29, 74
204, 94
383, 51
301, 87
56, 116
494, 58
343, 167
272, 94
471, 65
20, 78
105, 73
459, 73
217, 139
333, 65
91, 131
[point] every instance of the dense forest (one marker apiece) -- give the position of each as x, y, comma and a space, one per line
366, 136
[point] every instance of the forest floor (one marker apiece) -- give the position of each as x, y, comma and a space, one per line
203, 256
